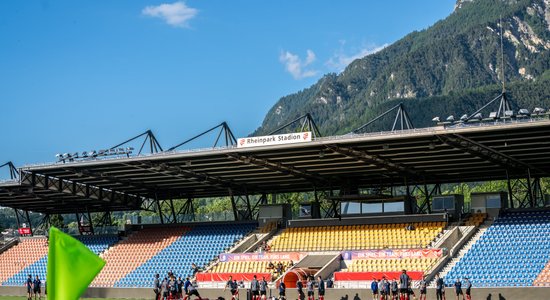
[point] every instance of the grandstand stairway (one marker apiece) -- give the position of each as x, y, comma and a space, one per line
314, 261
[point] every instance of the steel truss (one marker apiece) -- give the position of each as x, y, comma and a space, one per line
22, 217
524, 192
224, 129
424, 195
401, 122
154, 145
303, 123
14, 174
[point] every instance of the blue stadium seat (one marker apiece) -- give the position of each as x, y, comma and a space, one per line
512, 252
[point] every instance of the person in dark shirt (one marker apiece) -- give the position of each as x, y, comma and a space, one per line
186, 285
330, 283
439, 288
156, 286
300, 289
29, 287
255, 288
468, 287
404, 284
458, 289
179, 286
263, 289
192, 291
173, 287
194, 269
282, 291
321, 288
310, 289
36, 287
394, 289
374, 289
422, 288
233, 287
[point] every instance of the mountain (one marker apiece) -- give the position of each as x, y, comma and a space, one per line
453, 67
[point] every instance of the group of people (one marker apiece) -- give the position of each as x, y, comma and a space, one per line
259, 288
279, 268
393, 290
33, 287
310, 288
171, 288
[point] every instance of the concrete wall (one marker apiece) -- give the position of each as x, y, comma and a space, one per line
535, 293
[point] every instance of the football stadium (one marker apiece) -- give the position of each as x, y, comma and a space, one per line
376, 212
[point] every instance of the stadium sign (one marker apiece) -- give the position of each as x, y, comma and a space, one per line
270, 140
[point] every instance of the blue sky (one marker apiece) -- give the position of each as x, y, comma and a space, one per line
83, 75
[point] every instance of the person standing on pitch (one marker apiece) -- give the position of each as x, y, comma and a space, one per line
156, 286
300, 288
263, 289
374, 289
36, 287
282, 291
458, 289
310, 289
254, 288
321, 288
439, 288
468, 287
28, 283
381, 290
192, 291
404, 282
394, 289
233, 287
422, 288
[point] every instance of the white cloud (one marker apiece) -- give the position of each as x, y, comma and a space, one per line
340, 60
176, 14
296, 67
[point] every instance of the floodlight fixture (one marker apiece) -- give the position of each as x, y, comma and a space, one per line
509, 113
451, 118
436, 119
524, 112
464, 117
538, 110
477, 116
493, 115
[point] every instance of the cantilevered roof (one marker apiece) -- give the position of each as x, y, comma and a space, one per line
466, 153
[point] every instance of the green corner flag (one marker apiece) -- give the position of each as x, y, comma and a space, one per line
71, 266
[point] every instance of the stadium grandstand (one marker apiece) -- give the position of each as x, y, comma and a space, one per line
375, 208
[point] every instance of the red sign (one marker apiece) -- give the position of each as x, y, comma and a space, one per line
25, 231
392, 254
267, 256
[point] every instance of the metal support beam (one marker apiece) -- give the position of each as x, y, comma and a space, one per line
305, 123
229, 138
401, 121
14, 174
486, 153
378, 161
186, 213
154, 145
279, 167
188, 174
525, 192
23, 219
